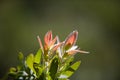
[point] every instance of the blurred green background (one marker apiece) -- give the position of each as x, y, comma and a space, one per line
97, 22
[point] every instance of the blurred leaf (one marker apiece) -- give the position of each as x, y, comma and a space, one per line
41, 77
53, 68
20, 56
29, 62
38, 56
19, 68
48, 77
12, 70
21, 61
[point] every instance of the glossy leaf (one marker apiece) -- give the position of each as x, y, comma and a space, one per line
66, 74
70, 70
30, 61
38, 56
67, 63
75, 65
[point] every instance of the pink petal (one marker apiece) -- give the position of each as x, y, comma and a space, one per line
40, 43
71, 39
48, 38
59, 49
72, 52
83, 51
53, 41
55, 47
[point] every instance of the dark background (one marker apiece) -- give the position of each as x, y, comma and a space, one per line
97, 21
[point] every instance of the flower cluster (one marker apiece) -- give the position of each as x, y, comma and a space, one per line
51, 62
66, 47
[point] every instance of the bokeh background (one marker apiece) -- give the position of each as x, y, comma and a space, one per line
97, 21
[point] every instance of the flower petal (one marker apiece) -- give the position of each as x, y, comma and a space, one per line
55, 47
71, 39
59, 48
81, 51
48, 38
40, 43
53, 41
72, 48
72, 52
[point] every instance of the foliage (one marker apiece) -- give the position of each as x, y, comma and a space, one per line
53, 61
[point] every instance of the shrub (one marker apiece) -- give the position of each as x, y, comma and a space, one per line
53, 61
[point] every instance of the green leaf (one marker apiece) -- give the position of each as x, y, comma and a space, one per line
70, 70
12, 70
41, 77
21, 61
38, 56
48, 77
66, 74
20, 56
75, 65
66, 64
30, 61
63, 79
38, 69
53, 68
